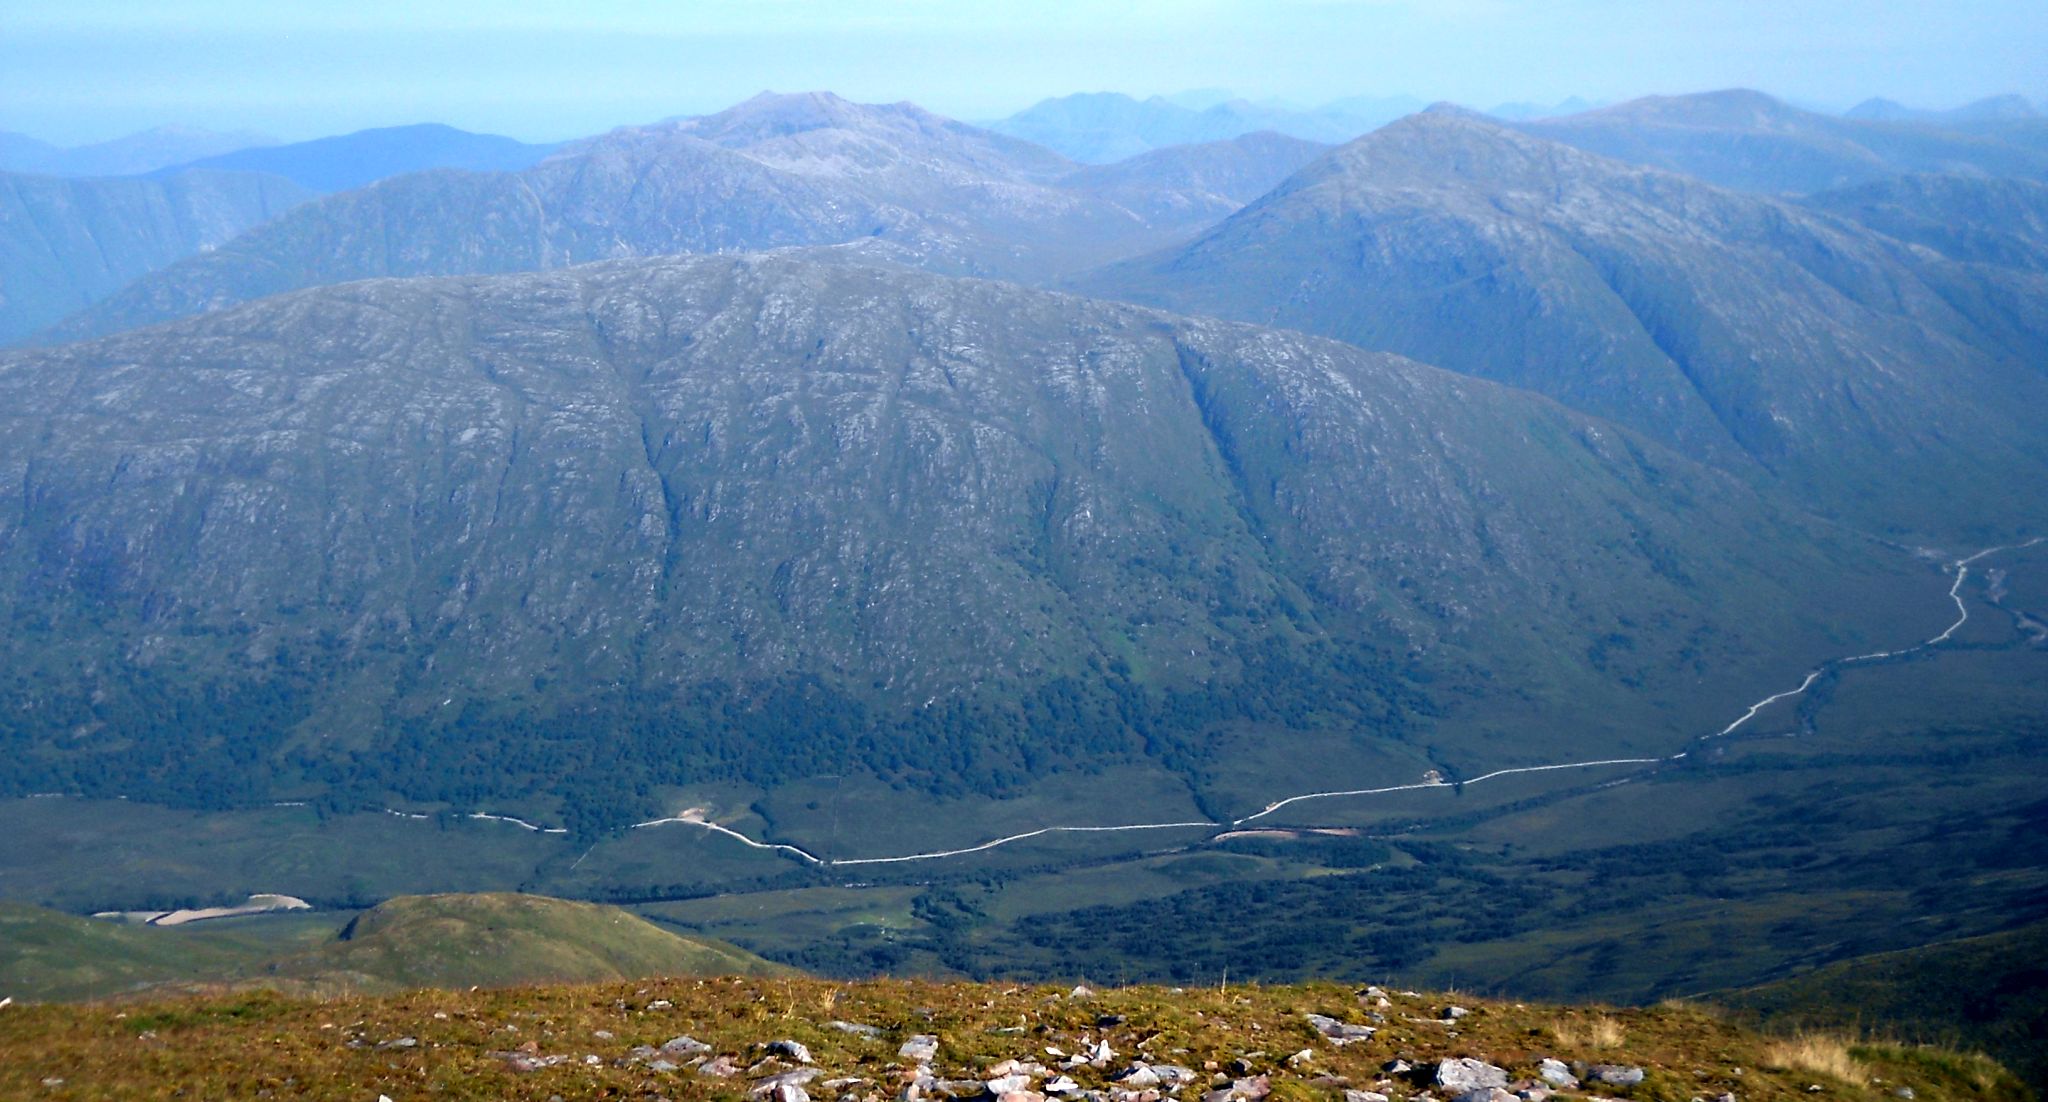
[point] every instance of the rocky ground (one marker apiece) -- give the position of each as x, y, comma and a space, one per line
796, 1040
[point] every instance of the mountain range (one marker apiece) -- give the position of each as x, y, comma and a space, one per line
1805, 350
892, 182
1744, 139
1102, 127
1989, 108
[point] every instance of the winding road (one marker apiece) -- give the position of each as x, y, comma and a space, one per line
1960, 567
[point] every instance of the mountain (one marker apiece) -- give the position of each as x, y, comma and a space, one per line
459, 940
1989, 108
145, 151
1750, 141
776, 171
66, 243
1104, 127
698, 1040
2002, 222
1197, 185
353, 160
1521, 110
1785, 345
553, 540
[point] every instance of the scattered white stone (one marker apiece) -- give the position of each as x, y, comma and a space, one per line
1137, 1077
1467, 1074
1340, 1033
922, 1048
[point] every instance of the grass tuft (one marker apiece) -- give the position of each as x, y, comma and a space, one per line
1597, 1032
1820, 1053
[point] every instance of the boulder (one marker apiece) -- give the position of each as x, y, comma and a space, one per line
1338, 1032
1466, 1074
1615, 1075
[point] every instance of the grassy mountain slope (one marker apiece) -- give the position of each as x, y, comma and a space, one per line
49, 955
500, 939
1784, 345
598, 1041
1989, 993
491, 939
760, 519
66, 243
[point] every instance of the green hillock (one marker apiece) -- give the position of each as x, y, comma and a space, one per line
455, 940
501, 938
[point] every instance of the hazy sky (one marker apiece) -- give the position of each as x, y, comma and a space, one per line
90, 69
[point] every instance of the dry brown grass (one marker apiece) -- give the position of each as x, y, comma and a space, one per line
1597, 1032
228, 1045
1820, 1053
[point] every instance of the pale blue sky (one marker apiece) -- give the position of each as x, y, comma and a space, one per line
80, 70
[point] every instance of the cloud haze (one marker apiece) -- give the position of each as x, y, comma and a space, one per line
538, 71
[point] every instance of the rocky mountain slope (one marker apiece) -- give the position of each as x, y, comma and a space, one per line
1804, 350
793, 1040
573, 535
1750, 141
65, 243
776, 171
347, 161
1989, 221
